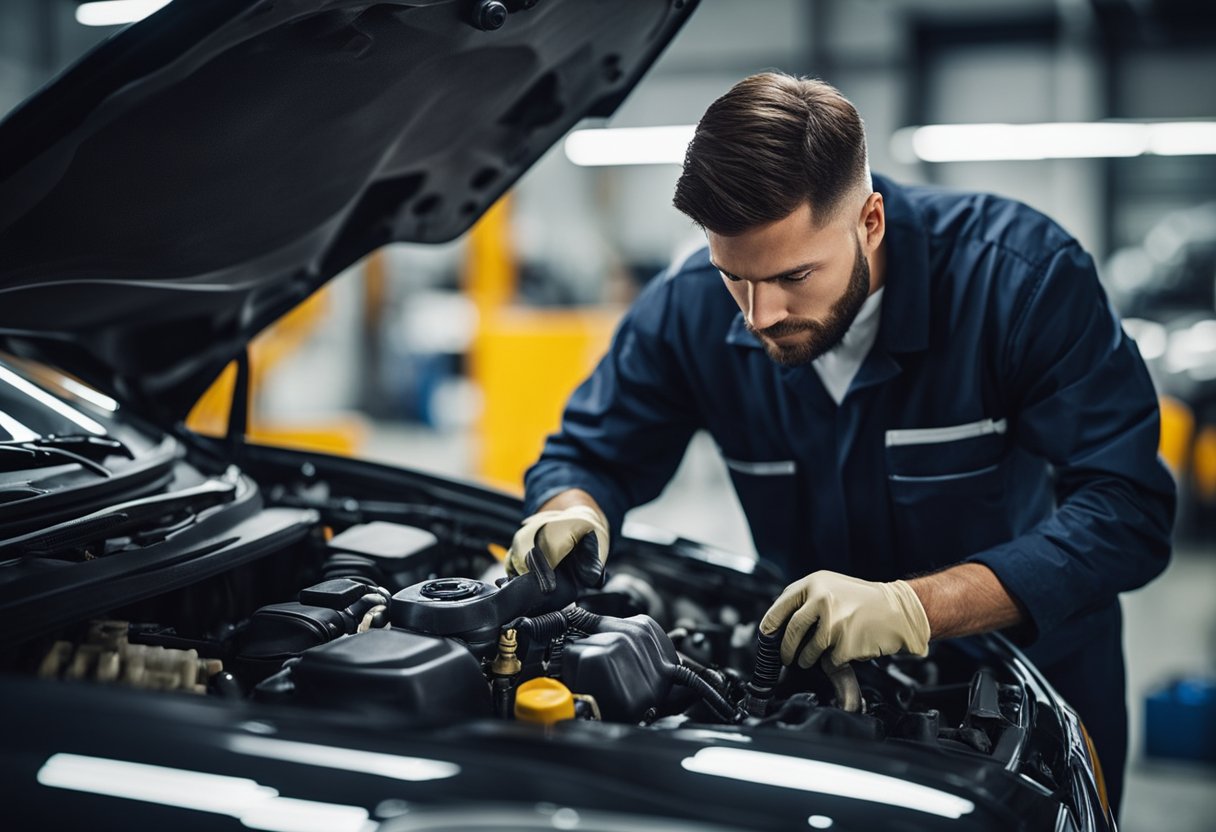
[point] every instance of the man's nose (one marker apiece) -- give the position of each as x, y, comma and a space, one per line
765, 305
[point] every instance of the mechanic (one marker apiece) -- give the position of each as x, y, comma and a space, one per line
924, 399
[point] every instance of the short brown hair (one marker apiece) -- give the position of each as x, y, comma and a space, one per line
769, 144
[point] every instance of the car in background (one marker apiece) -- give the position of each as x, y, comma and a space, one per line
1165, 289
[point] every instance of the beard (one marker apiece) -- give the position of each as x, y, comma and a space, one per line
821, 336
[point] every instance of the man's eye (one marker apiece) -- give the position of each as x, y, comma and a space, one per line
795, 278
729, 277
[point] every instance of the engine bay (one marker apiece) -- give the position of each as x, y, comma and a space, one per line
417, 622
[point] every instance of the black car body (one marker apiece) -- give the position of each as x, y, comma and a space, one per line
206, 633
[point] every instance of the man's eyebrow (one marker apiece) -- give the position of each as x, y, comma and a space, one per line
805, 267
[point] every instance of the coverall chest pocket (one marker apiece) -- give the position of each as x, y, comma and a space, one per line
768, 492
947, 488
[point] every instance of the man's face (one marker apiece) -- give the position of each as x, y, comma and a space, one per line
799, 286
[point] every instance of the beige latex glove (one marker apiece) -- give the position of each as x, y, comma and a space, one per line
856, 620
557, 533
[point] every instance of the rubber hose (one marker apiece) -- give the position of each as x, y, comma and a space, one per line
541, 628
359, 610
580, 619
766, 673
716, 701
374, 617
355, 567
716, 679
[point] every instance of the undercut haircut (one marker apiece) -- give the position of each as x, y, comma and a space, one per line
772, 142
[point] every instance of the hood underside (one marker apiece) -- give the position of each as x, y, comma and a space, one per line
203, 171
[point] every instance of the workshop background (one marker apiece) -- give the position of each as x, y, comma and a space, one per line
457, 358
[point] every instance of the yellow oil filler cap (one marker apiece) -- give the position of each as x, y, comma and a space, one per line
543, 701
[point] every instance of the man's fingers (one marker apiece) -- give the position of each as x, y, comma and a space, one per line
799, 625
556, 541
515, 556
557, 533
817, 645
778, 613
521, 544
838, 658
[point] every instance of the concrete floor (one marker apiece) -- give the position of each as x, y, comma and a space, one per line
1169, 630
1170, 625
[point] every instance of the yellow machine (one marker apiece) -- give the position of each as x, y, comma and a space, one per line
526, 361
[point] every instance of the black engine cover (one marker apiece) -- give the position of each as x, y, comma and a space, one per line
394, 671
626, 666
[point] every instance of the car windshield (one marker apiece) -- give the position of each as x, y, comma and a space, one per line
51, 406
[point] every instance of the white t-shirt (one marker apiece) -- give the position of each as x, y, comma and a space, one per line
837, 367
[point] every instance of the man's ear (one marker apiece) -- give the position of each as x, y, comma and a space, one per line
873, 221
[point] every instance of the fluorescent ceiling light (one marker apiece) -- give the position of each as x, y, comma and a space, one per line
816, 776
629, 145
1150, 336
1193, 350
1061, 140
116, 12
933, 143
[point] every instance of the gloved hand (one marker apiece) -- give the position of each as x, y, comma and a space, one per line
856, 620
557, 533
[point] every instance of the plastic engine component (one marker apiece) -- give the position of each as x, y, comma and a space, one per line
474, 610
279, 631
326, 611
394, 671
395, 549
627, 666
543, 701
107, 655
336, 594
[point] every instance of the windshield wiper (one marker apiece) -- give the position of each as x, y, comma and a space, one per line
121, 519
83, 449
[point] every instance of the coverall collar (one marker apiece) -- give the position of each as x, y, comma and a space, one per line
905, 309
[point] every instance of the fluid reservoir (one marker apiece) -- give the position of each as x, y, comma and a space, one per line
543, 701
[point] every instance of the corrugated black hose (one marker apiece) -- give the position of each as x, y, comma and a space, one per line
549, 628
766, 674
684, 675
541, 628
580, 619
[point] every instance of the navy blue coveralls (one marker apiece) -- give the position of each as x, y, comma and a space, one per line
1002, 417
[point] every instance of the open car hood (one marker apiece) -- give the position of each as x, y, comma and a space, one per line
201, 172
